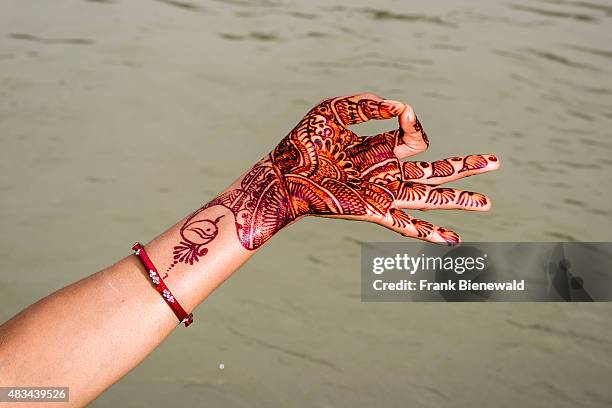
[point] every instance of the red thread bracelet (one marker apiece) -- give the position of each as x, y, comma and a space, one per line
161, 287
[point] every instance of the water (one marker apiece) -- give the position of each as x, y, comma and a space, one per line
117, 118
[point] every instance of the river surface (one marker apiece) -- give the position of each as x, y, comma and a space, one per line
117, 118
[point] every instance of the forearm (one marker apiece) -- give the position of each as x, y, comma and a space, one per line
88, 335
91, 333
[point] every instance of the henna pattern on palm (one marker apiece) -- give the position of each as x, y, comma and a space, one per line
322, 168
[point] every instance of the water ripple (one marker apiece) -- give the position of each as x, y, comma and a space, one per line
553, 13
559, 59
34, 38
379, 14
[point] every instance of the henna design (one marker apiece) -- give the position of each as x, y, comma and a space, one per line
471, 199
440, 196
195, 234
322, 168
423, 228
451, 237
410, 191
419, 128
474, 162
442, 168
351, 112
403, 221
412, 171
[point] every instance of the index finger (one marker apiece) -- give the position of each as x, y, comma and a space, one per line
350, 110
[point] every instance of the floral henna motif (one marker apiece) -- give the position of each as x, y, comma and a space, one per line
439, 196
412, 170
449, 236
322, 168
471, 199
406, 222
195, 234
419, 128
442, 168
350, 111
260, 206
410, 191
474, 162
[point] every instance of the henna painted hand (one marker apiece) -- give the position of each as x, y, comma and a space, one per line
324, 169
327, 170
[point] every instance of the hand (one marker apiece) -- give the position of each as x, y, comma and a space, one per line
328, 170
324, 169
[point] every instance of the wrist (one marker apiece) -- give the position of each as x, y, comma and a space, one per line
227, 230
258, 205
260, 202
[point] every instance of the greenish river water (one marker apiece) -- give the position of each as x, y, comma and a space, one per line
117, 118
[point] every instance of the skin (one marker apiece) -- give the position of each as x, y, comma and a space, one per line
91, 333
